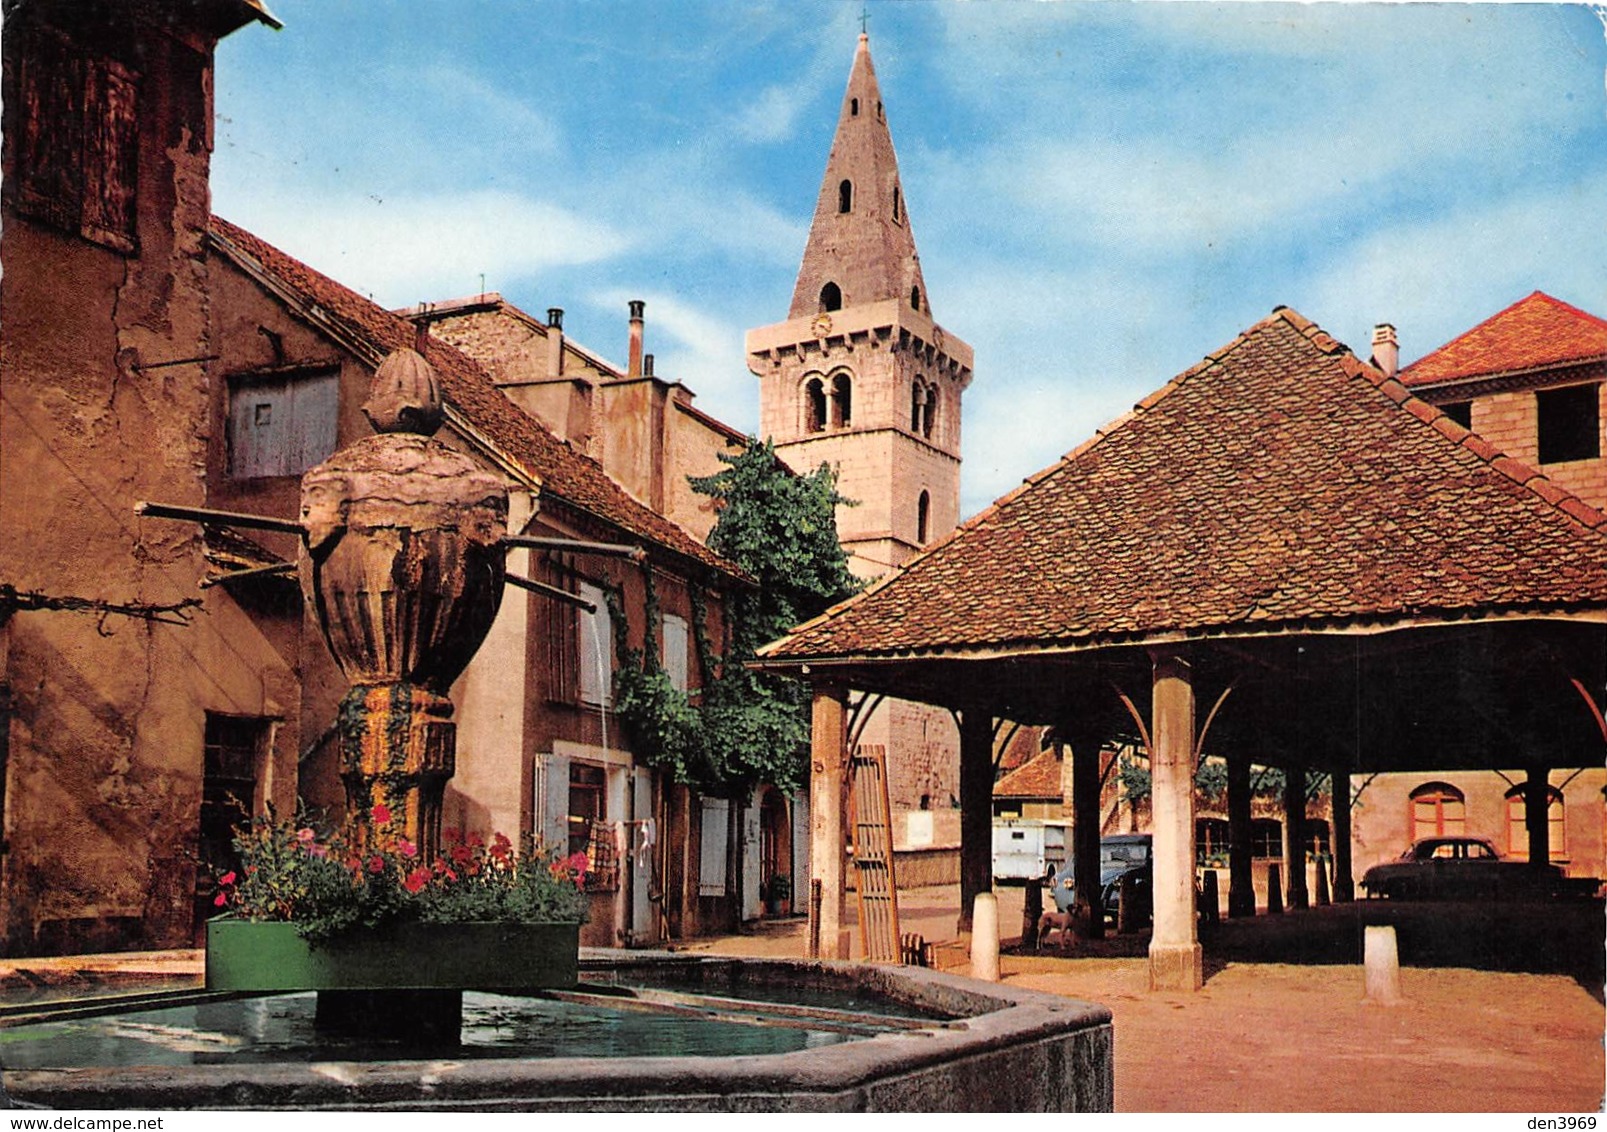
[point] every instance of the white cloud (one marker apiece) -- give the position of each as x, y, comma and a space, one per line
1436, 278
772, 115
406, 248
489, 109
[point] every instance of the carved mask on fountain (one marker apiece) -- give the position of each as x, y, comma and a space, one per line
404, 572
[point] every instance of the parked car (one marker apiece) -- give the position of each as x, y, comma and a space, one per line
1453, 868
1120, 855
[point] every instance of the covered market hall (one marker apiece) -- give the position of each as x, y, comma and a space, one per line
1280, 557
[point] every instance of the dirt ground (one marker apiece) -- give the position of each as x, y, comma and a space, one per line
1512, 1022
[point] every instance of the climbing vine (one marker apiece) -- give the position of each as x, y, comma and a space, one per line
748, 727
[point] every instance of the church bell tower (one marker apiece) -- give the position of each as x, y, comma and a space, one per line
859, 376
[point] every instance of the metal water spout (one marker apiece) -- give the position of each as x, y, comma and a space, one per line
404, 572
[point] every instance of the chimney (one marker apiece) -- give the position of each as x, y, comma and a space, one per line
633, 367
647, 365
421, 326
1386, 349
555, 341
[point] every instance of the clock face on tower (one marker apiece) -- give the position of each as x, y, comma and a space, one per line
821, 326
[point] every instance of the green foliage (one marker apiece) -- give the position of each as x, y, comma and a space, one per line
1134, 778
1211, 779
749, 728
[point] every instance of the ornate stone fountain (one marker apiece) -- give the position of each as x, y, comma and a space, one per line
404, 571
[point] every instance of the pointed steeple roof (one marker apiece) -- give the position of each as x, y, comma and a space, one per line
861, 240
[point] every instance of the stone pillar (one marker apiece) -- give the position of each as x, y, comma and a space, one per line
1344, 883
1294, 835
828, 764
1085, 831
1537, 816
976, 809
1174, 950
1241, 869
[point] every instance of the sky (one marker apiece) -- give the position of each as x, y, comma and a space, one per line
1101, 193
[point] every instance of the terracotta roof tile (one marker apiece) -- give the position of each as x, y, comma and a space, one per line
1536, 332
1037, 778
1277, 484
565, 473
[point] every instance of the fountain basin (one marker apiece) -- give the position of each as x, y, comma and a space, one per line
931, 1042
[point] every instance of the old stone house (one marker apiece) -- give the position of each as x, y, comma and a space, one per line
160, 677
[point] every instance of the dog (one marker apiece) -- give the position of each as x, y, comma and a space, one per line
1051, 923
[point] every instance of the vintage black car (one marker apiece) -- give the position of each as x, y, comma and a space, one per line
1460, 868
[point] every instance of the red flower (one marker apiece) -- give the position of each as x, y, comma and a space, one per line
221, 900
381, 814
461, 854
376, 864
475, 841
228, 878
416, 880
501, 847
577, 864
452, 834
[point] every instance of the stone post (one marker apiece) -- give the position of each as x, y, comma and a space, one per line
985, 938
1294, 834
1174, 950
1344, 883
976, 809
828, 764
1241, 868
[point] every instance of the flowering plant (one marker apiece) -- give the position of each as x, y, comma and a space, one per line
289, 872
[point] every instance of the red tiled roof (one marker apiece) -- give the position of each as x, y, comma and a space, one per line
1537, 332
569, 475
1039, 778
1279, 484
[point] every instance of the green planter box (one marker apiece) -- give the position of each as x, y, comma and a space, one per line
246, 956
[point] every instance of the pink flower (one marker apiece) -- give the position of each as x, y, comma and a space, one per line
228, 878
305, 834
407, 848
376, 864
221, 900
416, 880
381, 814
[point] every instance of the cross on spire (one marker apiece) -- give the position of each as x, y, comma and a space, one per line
864, 19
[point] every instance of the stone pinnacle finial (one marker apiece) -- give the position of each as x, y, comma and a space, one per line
405, 395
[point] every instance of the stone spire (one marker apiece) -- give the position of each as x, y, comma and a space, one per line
861, 247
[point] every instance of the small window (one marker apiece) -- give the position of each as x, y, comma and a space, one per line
75, 159
588, 794
929, 412
1266, 839
1438, 810
1518, 826
853, 107
898, 208
596, 646
1459, 411
1211, 842
283, 425
1568, 423
845, 197
923, 516
915, 298
674, 655
842, 401
831, 297
815, 405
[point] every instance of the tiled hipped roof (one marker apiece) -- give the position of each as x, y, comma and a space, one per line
1279, 484
1537, 332
1039, 778
570, 476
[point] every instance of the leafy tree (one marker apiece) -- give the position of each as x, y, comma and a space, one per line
751, 727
